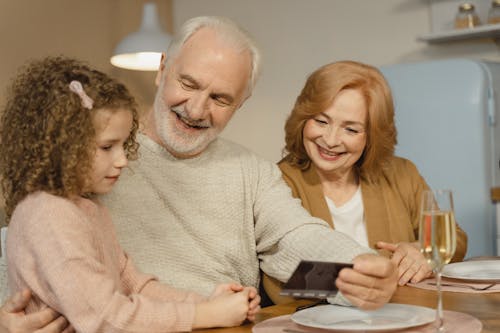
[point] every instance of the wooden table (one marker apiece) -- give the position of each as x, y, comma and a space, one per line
485, 307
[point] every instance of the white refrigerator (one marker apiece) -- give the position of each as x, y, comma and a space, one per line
447, 117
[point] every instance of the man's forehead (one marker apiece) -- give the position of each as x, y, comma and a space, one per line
211, 62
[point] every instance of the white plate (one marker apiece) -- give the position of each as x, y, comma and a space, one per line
477, 270
391, 316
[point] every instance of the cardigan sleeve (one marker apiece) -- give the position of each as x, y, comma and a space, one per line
306, 185
414, 197
56, 255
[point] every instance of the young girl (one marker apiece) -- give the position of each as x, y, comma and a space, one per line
66, 132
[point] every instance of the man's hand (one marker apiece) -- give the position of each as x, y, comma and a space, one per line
412, 266
370, 283
14, 320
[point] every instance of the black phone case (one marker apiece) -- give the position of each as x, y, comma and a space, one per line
313, 279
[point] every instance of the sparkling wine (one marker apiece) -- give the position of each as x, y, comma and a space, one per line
438, 237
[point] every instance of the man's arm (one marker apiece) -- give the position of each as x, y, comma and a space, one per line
287, 233
14, 320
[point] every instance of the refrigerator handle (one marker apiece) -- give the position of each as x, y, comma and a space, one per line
491, 96
491, 106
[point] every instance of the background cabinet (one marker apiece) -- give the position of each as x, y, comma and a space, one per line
442, 17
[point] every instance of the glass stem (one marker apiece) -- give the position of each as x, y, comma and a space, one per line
439, 310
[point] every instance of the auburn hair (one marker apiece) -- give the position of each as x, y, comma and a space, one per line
321, 88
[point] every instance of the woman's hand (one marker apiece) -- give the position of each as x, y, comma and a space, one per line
412, 266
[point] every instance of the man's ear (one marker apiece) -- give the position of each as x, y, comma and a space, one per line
160, 70
244, 100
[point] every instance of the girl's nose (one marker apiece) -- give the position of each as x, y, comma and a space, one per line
121, 160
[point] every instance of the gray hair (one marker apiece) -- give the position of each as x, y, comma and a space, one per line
226, 29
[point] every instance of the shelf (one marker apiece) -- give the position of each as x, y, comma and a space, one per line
483, 31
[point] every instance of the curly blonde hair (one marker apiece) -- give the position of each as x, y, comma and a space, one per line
48, 137
320, 89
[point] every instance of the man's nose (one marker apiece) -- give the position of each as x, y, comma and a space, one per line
197, 106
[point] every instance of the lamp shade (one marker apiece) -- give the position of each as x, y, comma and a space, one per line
142, 49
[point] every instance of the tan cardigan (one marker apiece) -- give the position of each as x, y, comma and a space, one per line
391, 207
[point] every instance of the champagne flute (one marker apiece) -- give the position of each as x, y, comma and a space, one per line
437, 235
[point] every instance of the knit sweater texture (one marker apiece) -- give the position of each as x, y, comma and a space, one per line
67, 253
3, 280
217, 217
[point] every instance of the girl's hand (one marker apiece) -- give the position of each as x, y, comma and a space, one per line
254, 305
225, 310
225, 288
253, 296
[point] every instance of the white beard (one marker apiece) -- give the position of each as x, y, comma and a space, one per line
175, 139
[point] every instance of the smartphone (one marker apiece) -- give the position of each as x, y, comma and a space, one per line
314, 279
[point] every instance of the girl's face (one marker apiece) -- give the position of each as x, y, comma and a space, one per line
335, 138
112, 130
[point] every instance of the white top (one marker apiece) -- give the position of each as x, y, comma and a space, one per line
350, 217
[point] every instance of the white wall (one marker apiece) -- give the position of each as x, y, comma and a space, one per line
297, 36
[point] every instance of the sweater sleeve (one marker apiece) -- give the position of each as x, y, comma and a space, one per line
3, 280
287, 233
56, 254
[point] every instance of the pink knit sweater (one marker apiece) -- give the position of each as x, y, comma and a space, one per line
67, 253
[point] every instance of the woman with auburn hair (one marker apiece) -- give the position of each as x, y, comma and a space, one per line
340, 139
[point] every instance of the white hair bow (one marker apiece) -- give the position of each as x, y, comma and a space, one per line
77, 88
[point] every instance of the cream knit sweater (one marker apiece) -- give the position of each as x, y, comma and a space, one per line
3, 280
216, 218
3, 270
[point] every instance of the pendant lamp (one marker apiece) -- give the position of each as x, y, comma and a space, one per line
142, 49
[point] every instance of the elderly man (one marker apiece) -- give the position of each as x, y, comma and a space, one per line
196, 209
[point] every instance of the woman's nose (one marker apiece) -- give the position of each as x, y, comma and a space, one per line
332, 136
